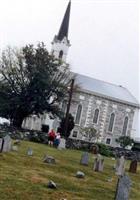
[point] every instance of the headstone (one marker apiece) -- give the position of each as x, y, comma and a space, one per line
133, 166
95, 149
29, 152
62, 144
1, 140
80, 174
120, 166
98, 163
7, 144
49, 159
51, 185
84, 158
110, 179
14, 148
123, 188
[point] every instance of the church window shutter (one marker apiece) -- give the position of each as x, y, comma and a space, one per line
78, 114
125, 125
111, 122
96, 116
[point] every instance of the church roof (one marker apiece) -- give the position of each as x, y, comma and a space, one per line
105, 89
63, 31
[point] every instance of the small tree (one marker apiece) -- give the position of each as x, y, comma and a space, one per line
70, 125
125, 141
90, 133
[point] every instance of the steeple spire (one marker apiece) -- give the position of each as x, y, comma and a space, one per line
61, 43
63, 31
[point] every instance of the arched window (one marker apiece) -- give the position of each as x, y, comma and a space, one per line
125, 124
61, 54
78, 114
96, 116
111, 122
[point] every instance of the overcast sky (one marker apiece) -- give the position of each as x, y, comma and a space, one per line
103, 34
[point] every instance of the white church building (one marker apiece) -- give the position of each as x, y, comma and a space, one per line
110, 109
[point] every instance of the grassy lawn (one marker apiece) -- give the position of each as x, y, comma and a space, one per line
26, 178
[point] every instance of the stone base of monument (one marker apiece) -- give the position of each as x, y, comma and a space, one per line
49, 159
51, 185
80, 174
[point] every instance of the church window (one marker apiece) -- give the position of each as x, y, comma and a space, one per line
96, 116
61, 54
111, 122
125, 124
78, 114
108, 141
75, 133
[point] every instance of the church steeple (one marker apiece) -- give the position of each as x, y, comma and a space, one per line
60, 43
64, 28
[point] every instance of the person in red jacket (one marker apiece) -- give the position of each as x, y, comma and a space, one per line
51, 137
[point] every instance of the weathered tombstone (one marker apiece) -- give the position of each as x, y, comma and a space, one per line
7, 143
1, 140
84, 158
120, 166
14, 148
29, 152
133, 166
95, 149
62, 144
123, 188
101, 165
51, 185
80, 174
49, 159
98, 163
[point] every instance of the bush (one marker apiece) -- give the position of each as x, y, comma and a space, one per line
38, 137
136, 146
104, 150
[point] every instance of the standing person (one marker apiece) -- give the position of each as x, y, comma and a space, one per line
51, 137
57, 139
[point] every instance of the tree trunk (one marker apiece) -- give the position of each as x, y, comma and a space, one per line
17, 121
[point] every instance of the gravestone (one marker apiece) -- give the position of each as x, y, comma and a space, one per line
123, 188
95, 149
1, 140
98, 164
49, 159
51, 185
14, 148
7, 143
62, 144
120, 166
84, 158
133, 166
29, 152
80, 174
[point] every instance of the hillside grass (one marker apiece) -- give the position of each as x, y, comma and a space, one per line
25, 178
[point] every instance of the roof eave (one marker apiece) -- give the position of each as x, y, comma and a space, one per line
110, 98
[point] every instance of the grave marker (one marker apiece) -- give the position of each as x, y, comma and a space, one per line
123, 188
133, 166
84, 158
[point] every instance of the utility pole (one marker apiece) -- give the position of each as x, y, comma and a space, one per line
68, 107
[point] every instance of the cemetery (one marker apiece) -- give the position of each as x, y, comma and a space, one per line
35, 171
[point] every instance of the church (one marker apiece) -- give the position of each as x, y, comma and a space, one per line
110, 109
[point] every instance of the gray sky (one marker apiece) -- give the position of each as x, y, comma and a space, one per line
103, 34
